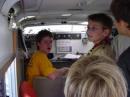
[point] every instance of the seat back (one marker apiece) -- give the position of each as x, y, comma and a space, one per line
49, 88
26, 90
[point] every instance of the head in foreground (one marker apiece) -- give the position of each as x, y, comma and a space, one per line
95, 76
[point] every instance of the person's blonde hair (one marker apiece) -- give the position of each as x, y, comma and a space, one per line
95, 76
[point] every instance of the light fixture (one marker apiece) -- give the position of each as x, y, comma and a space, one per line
66, 15
84, 23
27, 17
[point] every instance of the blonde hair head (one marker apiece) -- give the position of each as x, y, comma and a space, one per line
95, 76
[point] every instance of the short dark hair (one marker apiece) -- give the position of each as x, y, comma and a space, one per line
102, 18
121, 10
43, 33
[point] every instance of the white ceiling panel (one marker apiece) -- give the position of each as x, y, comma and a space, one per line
56, 5
31, 5
51, 10
1, 3
60, 4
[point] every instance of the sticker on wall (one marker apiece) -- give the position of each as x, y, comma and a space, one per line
64, 49
64, 46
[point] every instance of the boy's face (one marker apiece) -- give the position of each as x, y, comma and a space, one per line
122, 28
96, 33
45, 44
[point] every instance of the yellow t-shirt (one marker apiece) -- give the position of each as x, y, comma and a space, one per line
39, 65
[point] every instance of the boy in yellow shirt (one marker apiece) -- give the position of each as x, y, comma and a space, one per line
39, 64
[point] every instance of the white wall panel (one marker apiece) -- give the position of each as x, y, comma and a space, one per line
7, 5
5, 41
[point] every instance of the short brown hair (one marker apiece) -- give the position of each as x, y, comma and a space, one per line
43, 33
102, 18
121, 10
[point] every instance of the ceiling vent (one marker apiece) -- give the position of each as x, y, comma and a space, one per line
76, 9
61, 17
63, 22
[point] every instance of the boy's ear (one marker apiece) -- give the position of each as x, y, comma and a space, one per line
122, 23
106, 32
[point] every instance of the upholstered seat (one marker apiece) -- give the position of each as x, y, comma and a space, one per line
49, 88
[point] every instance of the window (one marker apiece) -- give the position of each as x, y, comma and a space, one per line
56, 28
10, 80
